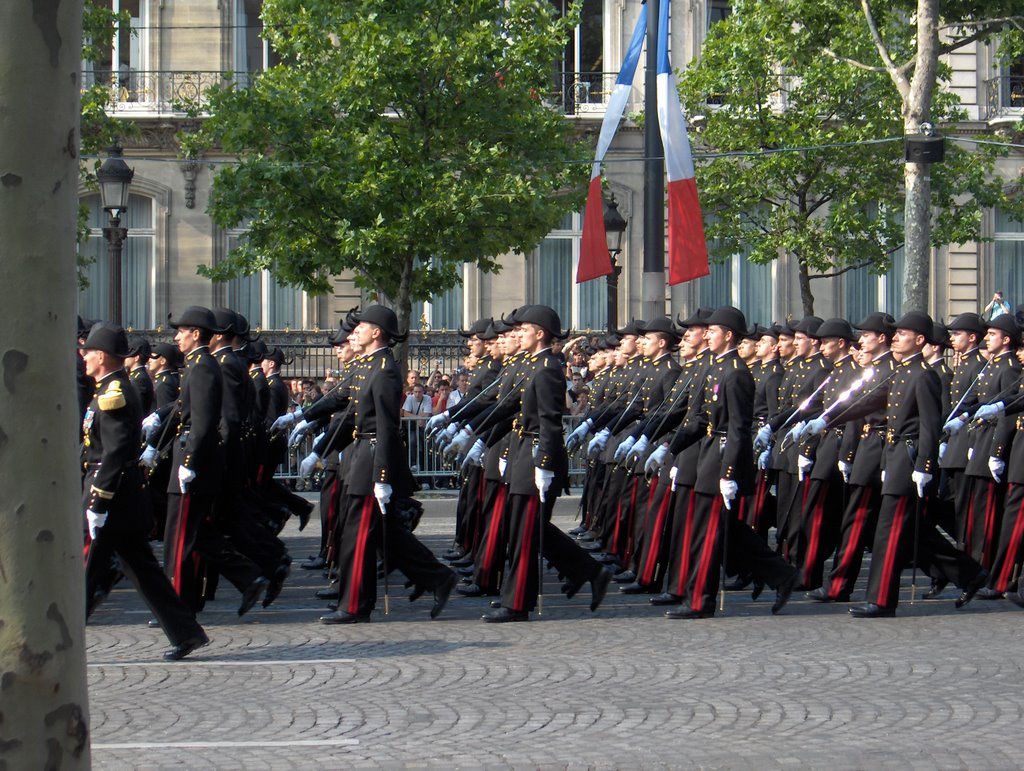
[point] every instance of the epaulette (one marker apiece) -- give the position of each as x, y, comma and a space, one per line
112, 398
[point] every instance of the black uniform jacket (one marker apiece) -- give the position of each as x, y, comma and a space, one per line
198, 445
539, 426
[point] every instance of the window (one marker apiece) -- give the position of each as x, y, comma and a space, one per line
581, 79
123, 64
740, 282
443, 312
1011, 84
581, 306
1008, 259
718, 10
138, 264
264, 302
253, 54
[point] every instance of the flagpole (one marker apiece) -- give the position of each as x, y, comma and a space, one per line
653, 285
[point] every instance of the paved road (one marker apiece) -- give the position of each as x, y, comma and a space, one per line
621, 688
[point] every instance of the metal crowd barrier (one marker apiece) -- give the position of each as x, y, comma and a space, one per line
428, 466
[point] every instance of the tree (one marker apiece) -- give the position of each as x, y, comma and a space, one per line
400, 139
43, 706
839, 204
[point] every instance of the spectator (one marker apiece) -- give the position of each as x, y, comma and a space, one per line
417, 407
582, 404
412, 379
310, 393
997, 307
576, 386
459, 392
439, 402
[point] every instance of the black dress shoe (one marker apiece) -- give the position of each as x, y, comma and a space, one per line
330, 593
416, 593
870, 610
344, 617
494, 604
441, 595
738, 583
314, 563
153, 624
821, 595
455, 554
938, 585
687, 613
665, 598
635, 588
503, 615
972, 588
578, 530
304, 513
599, 588
276, 584
756, 591
783, 593
182, 649
569, 589
591, 545
464, 561
252, 594
984, 593
474, 590
1016, 598
624, 577
464, 571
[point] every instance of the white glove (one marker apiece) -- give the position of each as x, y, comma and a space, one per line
185, 475
729, 489
436, 423
476, 453
599, 442
96, 521
622, 451
845, 469
382, 492
459, 444
762, 460
672, 475
575, 439
764, 436
307, 465
942, 449
803, 466
656, 460
794, 434
297, 433
953, 425
996, 467
286, 420
444, 438
812, 427
639, 449
502, 464
149, 457
883, 476
989, 411
150, 423
543, 478
921, 479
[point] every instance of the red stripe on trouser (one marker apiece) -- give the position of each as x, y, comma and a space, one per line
478, 518
526, 560
332, 508
365, 519
891, 553
817, 515
990, 524
684, 566
1013, 547
179, 541
495, 528
618, 526
628, 556
853, 544
711, 533
760, 490
655, 547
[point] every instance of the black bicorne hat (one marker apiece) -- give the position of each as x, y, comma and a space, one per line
544, 317
917, 322
809, 326
139, 346
385, 318
837, 327
107, 337
1006, 324
729, 317
635, 327
879, 323
968, 322
699, 318
939, 336
198, 317
476, 328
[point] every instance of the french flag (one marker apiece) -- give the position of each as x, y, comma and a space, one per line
687, 249
595, 261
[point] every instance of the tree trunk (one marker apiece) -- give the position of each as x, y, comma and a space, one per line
403, 310
806, 296
44, 721
917, 211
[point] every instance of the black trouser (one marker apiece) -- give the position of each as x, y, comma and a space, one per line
140, 566
652, 557
1011, 540
856, 531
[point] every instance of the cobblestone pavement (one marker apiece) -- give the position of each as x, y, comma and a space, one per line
620, 688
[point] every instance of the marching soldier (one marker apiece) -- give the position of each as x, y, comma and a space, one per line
115, 500
135, 362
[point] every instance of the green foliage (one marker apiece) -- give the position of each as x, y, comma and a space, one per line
401, 138
832, 207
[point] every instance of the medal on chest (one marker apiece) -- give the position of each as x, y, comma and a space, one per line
87, 425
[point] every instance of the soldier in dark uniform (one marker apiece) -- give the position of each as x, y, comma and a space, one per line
164, 364
719, 422
912, 401
537, 470
135, 362
197, 471
378, 471
116, 506
84, 384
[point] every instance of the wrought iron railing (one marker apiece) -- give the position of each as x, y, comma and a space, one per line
1004, 96
158, 91
581, 93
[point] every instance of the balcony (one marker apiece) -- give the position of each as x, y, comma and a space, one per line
586, 93
138, 92
1004, 97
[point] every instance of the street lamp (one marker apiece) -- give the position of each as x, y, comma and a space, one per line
614, 227
115, 179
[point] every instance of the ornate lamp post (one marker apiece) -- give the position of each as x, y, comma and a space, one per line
614, 227
115, 179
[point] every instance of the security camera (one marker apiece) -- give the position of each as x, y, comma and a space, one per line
928, 129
